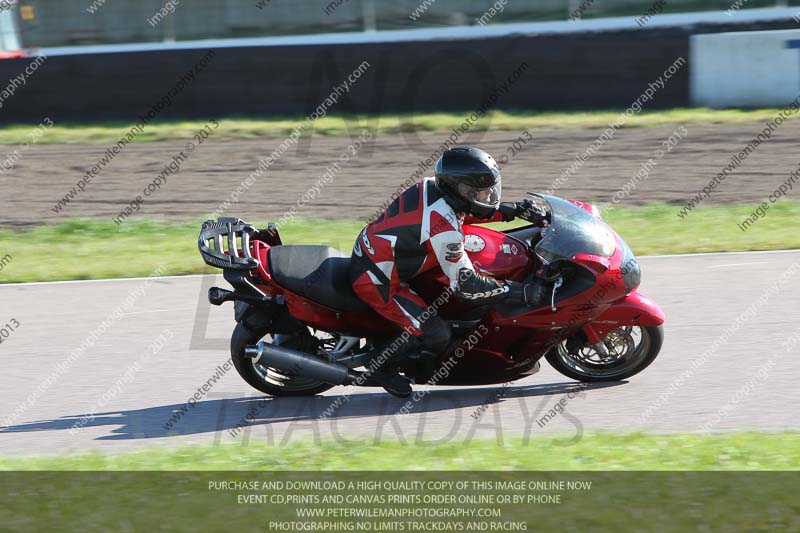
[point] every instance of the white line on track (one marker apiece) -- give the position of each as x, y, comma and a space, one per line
103, 280
703, 254
726, 265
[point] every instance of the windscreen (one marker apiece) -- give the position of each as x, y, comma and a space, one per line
573, 231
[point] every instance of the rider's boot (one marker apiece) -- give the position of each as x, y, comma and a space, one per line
383, 360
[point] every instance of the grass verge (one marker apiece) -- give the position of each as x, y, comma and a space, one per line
92, 249
595, 452
668, 482
244, 128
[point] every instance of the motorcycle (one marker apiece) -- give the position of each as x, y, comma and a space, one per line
301, 330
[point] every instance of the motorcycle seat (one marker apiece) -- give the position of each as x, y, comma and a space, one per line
319, 273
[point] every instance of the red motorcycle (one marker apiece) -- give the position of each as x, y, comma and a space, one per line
596, 326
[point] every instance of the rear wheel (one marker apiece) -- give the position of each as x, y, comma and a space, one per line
630, 349
267, 379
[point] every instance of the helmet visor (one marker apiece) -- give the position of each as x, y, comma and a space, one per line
487, 197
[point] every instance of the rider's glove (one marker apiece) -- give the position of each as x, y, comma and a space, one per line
527, 210
535, 293
508, 210
531, 294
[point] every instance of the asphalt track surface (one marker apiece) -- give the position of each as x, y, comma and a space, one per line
734, 314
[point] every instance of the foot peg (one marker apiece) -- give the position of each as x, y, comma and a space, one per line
217, 296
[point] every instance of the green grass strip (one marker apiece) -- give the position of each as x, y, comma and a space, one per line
595, 451
106, 133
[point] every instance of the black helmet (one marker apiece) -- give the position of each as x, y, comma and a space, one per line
470, 180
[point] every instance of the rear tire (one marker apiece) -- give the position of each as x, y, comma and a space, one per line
243, 336
639, 357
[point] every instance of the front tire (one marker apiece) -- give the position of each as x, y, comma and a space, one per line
630, 354
265, 379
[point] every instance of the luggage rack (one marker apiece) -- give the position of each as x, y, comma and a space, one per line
226, 243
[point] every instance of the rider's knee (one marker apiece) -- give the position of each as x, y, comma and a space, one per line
437, 337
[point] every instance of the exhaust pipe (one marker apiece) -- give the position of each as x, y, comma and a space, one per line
299, 363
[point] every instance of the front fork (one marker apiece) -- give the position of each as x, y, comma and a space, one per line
595, 339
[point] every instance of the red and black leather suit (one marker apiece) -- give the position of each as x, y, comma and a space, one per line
417, 232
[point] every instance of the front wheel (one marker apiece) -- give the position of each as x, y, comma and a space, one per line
267, 379
631, 349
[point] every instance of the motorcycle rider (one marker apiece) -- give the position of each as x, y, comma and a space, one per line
420, 230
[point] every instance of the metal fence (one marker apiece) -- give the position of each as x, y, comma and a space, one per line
35, 23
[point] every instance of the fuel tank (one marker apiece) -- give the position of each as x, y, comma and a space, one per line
496, 254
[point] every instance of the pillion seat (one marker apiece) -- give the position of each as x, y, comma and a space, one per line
319, 273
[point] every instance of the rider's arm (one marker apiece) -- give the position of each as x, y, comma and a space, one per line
508, 211
505, 213
465, 282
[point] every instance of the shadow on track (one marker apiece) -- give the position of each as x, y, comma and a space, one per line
226, 414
